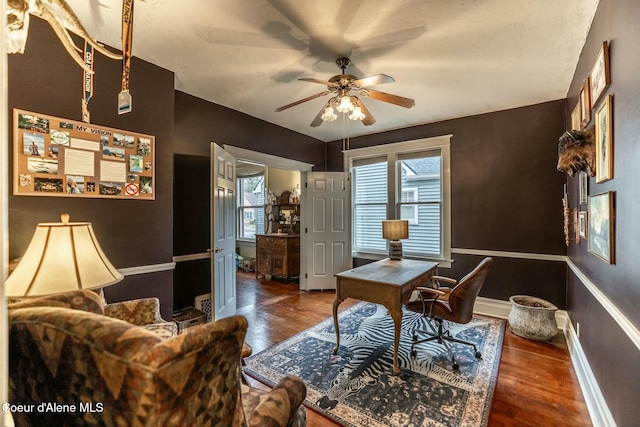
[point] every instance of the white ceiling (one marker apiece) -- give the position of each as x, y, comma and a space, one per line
454, 57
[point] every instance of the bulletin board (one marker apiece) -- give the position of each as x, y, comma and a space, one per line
65, 158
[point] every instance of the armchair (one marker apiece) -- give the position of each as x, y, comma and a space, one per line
143, 312
104, 371
453, 304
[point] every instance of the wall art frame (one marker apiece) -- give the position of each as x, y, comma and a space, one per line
601, 227
583, 187
582, 224
585, 103
600, 76
576, 117
57, 157
604, 140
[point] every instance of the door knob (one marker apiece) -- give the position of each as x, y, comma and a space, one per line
216, 250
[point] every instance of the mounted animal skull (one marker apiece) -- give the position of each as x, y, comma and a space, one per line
18, 11
576, 152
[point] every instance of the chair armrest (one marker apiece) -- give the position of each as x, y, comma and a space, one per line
437, 279
144, 311
278, 406
431, 290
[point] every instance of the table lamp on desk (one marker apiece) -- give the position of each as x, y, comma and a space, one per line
394, 230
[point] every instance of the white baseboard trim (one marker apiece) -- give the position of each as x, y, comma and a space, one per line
143, 269
596, 405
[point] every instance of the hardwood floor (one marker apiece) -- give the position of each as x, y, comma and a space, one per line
537, 385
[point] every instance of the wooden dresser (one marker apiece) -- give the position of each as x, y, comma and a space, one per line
278, 255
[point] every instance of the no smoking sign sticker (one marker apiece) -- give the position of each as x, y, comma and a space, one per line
132, 189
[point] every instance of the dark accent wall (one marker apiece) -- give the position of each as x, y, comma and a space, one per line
132, 232
506, 194
613, 357
198, 123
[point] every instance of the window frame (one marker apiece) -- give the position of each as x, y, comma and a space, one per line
392, 152
241, 209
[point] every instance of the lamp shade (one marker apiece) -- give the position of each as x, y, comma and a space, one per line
395, 229
61, 257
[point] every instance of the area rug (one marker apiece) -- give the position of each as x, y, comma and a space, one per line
357, 387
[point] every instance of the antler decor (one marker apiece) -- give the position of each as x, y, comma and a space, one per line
18, 11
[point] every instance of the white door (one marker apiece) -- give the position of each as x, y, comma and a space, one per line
223, 233
325, 229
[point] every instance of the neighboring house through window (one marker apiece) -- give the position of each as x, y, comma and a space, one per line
250, 206
407, 180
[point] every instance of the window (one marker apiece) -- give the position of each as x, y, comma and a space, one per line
250, 206
407, 180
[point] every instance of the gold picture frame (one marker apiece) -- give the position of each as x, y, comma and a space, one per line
576, 117
604, 140
585, 103
600, 76
601, 226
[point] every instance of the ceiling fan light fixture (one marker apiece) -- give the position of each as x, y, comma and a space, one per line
357, 114
345, 105
329, 115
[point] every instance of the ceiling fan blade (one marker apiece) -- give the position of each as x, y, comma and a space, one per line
377, 79
318, 119
368, 117
322, 82
392, 99
300, 101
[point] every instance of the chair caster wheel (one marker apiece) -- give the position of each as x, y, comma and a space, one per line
456, 367
478, 355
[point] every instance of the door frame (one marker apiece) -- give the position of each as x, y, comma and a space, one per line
271, 161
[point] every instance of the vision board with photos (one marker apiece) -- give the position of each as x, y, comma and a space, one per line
66, 158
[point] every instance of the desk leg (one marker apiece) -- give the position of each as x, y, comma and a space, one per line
336, 303
396, 315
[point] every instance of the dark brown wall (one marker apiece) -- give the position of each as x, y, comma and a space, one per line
132, 233
612, 356
506, 193
198, 123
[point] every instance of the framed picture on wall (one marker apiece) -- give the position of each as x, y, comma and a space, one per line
576, 118
582, 224
583, 184
600, 76
585, 104
604, 141
601, 226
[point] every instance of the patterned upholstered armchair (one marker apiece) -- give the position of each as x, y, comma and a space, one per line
143, 312
104, 371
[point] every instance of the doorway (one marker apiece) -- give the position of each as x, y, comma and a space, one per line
192, 228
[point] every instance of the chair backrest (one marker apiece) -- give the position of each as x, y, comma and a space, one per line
463, 295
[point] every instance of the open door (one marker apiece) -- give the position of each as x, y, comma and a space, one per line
223, 233
325, 229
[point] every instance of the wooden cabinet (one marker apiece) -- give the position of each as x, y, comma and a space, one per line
278, 255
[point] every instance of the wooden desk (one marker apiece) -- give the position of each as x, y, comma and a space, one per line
385, 282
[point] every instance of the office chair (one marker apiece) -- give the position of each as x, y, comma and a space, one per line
454, 303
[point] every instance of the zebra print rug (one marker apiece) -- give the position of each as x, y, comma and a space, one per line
356, 387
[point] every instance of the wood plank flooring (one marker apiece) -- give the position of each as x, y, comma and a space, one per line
537, 385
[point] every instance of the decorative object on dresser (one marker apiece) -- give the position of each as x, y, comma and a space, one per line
394, 230
283, 213
278, 255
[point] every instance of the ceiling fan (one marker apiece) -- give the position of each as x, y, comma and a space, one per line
346, 88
